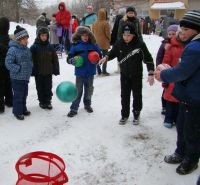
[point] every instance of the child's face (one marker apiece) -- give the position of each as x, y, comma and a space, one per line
85, 37
128, 37
43, 37
171, 34
24, 41
130, 14
188, 33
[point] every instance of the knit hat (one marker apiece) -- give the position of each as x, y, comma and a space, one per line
20, 33
128, 28
4, 26
173, 27
130, 9
191, 20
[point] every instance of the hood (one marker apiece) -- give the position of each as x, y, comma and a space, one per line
15, 44
41, 17
4, 26
102, 14
82, 30
63, 5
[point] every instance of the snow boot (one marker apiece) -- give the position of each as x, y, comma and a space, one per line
136, 115
168, 125
186, 167
20, 117
26, 113
123, 121
49, 106
89, 109
72, 113
173, 158
42, 105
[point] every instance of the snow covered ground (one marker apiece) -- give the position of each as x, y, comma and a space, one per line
95, 148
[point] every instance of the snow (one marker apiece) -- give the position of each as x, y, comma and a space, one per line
169, 6
96, 149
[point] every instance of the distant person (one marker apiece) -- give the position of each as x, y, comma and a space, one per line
63, 19
130, 17
75, 23
19, 63
6, 95
41, 22
47, 20
101, 30
53, 38
89, 18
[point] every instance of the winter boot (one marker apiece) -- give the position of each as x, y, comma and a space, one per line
72, 113
42, 105
26, 113
89, 109
168, 125
20, 117
173, 159
123, 121
136, 115
186, 167
49, 106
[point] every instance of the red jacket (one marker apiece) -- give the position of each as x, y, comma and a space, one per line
63, 17
171, 57
74, 25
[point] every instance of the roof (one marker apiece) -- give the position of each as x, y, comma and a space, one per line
168, 6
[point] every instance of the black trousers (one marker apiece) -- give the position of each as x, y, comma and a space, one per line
44, 88
188, 132
131, 84
6, 95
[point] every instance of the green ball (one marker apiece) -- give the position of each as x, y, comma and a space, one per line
66, 91
78, 61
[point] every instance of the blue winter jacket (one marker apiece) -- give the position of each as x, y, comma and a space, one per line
82, 49
186, 74
19, 61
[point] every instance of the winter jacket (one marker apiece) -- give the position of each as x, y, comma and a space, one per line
45, 59
4, 40
115, 29
161, 52
63, 17
88, 19
171, 57
132, 66
19, 61
134, 21
53, 38
101, 30
186, 74
80, 48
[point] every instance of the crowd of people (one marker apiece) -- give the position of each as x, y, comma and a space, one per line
177, 67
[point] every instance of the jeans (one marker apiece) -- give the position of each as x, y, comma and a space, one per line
87, 84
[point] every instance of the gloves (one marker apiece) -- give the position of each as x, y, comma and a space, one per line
71, 61
150, 79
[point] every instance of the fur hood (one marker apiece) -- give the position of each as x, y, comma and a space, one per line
83, 30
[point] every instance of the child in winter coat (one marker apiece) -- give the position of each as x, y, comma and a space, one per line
19, 63
6, 95
53, 38
45, 64
83, 43
171, 32
130, 52
186, 76
171, 57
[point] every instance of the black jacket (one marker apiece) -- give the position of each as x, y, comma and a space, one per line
45, 59
4, 40
131, 64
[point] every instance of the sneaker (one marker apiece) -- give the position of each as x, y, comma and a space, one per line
168, 125
186, 167
49, 106
26, 113
173, 159
89, 109
20, 117
71, 114
123, 121
163, 111
42, 105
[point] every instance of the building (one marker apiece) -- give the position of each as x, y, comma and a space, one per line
194, 4
173, 8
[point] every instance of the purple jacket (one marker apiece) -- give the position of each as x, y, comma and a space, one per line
161, 52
